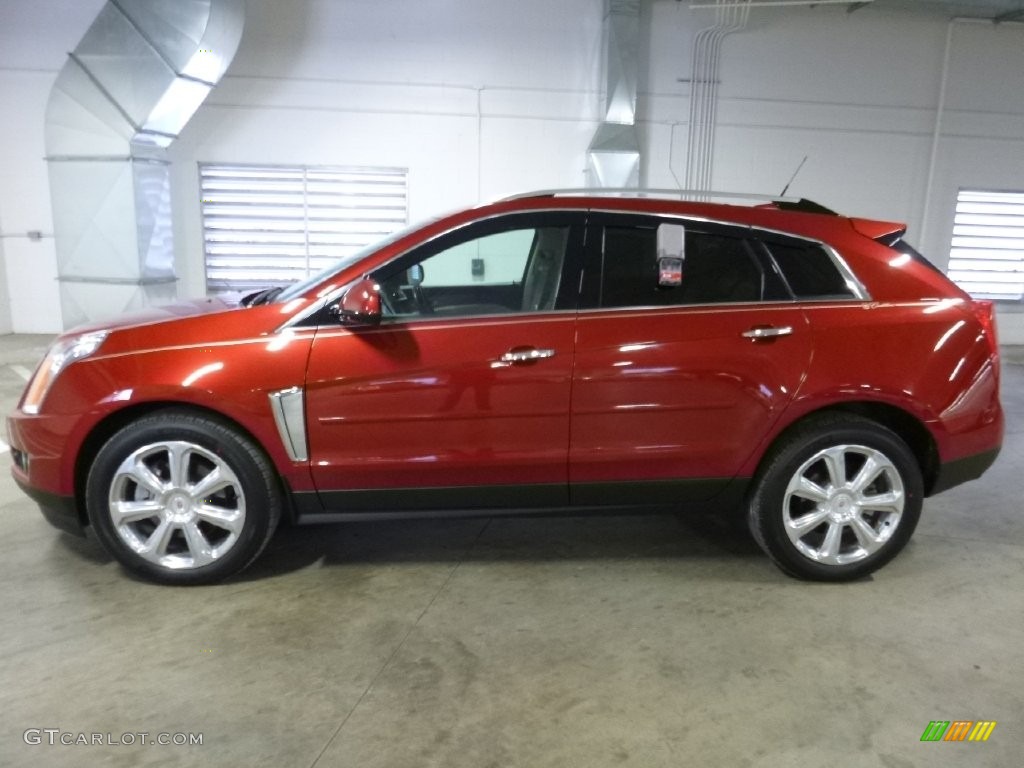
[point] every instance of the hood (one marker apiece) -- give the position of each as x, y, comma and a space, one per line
149, 315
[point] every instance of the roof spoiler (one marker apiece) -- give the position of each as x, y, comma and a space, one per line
884, 232
803, 205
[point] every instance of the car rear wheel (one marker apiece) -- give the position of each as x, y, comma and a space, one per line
837, 499
182, 498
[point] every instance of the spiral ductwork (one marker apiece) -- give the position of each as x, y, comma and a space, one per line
131, 85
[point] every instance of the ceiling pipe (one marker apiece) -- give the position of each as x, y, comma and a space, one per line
940, 114
133, 82
940, 111
730, 17
777, 3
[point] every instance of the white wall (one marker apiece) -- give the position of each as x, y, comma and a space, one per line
492, 97
5, 303
477, 100
857, 93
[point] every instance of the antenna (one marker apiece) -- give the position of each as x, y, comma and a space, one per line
793, 177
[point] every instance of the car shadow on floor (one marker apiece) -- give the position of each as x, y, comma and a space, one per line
688, 537
691, 537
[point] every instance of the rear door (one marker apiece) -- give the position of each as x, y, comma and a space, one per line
679, 373
460, 398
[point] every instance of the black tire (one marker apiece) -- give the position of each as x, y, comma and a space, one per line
784, 519
190, 537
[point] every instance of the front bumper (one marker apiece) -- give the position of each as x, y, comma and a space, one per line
38, 447
60, 511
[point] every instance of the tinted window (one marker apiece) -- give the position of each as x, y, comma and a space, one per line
716, 268
809, 270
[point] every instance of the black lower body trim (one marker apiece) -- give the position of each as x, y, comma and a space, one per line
60, 511
953, 473
474, 501
435, 499
647, 492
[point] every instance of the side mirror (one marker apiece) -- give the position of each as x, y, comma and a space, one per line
360, 305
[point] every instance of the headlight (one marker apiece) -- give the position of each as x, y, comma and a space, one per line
59, 356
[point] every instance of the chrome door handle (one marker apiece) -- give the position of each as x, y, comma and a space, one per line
768, 333
526, 355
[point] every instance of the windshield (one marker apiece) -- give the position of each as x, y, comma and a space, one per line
297, 289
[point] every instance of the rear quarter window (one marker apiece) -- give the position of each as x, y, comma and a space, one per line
809, 270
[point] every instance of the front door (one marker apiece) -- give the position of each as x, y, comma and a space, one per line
460, 397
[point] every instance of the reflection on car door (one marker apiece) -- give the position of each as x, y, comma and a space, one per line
674, 388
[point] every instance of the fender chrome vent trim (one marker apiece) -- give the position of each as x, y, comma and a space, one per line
289, 409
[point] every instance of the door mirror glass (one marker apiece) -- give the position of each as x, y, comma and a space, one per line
361, 304
671, 252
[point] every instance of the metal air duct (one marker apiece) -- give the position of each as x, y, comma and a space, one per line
136, 78
614, 153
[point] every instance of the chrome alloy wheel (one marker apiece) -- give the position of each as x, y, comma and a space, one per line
843, 504
177, 504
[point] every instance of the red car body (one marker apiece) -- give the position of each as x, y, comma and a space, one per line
636, 404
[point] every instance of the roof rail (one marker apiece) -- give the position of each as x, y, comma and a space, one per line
670, 194
696, 195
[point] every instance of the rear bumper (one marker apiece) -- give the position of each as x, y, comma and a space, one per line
953, 473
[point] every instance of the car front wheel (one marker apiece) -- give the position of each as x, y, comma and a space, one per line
182, 498
837, 499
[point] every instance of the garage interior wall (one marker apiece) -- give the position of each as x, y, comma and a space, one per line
489, 98
5, 302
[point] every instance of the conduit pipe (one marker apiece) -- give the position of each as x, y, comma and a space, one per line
730, 17
940, 111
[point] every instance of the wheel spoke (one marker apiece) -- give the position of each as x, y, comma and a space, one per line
198, 546
829, 549
835, 462
865, 534
144, 477
178, 456
132, 511
808, 489
884, 502
156, 545
867, 474
214, 481
228, 519
800, 526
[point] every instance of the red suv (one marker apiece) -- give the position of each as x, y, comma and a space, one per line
551, 351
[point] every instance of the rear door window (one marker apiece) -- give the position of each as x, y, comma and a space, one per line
717, 268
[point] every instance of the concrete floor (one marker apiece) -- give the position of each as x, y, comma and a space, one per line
633, 641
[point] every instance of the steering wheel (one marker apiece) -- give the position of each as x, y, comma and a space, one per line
423, 305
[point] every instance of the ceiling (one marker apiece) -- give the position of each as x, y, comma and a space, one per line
996, 10
983, 9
